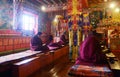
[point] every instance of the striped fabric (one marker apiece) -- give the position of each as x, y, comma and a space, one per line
89, 71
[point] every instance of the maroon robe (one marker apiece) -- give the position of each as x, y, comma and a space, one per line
90, 51
36, 43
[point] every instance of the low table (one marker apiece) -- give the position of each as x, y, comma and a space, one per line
114, 63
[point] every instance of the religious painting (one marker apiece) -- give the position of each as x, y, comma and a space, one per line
6, 14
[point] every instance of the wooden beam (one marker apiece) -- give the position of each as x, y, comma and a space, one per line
55, 7
47, 2
64, 1
60, 1
100, 1
53, 2
41, 2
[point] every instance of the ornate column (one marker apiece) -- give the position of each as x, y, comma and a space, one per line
75, 23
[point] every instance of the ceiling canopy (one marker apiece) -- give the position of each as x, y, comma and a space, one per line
62, 3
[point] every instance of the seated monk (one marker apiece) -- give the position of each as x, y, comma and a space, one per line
90, 50
51, 44
54, 45
36, 43
50, 39
63, 39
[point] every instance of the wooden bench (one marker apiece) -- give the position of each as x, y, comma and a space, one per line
26, 67
60, 52
7, 61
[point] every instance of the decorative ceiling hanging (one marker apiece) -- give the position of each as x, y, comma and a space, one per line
76, 6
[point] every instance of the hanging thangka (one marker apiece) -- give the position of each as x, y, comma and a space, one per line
86, 21
69, 7
80, 20
70, 22
75, 20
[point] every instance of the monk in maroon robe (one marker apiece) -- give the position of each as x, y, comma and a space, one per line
37, 44
63, 39
90, 51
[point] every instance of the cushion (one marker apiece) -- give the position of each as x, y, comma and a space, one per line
90, 71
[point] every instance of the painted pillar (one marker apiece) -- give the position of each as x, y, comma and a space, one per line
75, 23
